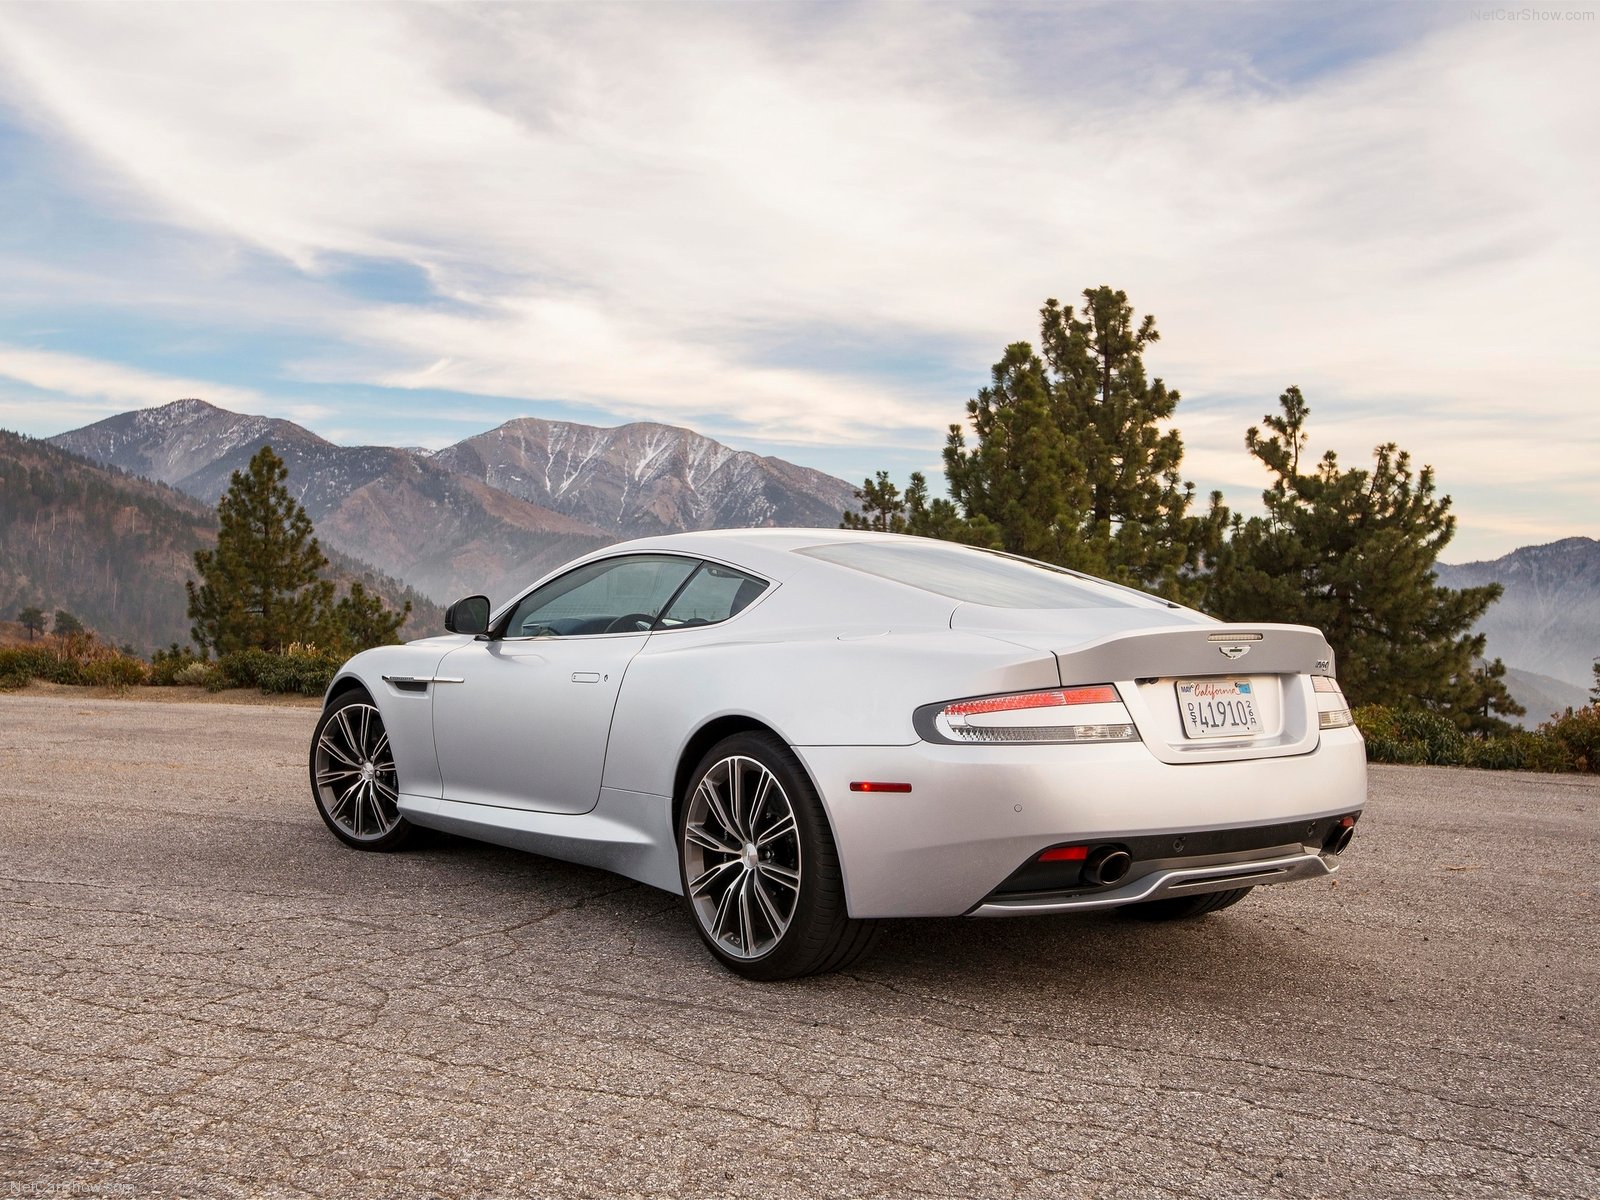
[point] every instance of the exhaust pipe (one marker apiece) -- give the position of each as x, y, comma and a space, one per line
1338, 839
1106, 865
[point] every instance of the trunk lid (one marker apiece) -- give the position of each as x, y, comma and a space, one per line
1149, 653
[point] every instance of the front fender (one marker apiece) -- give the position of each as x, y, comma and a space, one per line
406, 707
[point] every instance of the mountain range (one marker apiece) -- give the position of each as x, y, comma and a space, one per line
115, 550
645, 479
488, 514
1547, 621
497, 509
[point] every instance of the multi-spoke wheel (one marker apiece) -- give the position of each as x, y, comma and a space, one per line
352, 775
760, 872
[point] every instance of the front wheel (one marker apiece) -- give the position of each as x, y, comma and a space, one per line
352, 776
759, 867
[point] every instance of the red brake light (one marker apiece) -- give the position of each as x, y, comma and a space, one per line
1064, 854
1058, 698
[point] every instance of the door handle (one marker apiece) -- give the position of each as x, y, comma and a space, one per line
586, 677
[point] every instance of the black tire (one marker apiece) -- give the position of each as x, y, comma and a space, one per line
1185, 907
357, 791
820, 935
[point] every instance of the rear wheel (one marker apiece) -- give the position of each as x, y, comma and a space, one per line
353, 778
759, 867
1184, 907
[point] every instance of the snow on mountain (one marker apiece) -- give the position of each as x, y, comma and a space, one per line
645, 478
444, 533
488, 514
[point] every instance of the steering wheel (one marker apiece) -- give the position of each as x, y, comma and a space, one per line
639, 622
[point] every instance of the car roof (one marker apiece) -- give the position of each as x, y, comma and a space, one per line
767, 551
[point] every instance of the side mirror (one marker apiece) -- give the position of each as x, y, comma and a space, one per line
470, 615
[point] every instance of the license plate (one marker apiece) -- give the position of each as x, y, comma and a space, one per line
1217, 708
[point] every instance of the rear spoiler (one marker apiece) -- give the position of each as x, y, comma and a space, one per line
1201, 650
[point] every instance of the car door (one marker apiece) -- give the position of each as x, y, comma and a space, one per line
526, 725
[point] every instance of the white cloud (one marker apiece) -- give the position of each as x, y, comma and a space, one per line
624, 203
98, 388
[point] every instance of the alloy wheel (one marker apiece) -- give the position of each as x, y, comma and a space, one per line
353, 773
741, 854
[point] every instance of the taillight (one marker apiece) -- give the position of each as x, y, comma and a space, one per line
1333, 710
1063, 854
1074, 714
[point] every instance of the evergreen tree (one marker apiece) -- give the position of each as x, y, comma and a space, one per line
936, 518
882, 507
1351, 552
1018, 487
261, 586
1594, 692
361, 620
1135, 527
32, 619
1067, 460
66, 626
885, 509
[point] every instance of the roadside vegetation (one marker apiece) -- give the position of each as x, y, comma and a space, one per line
264, 614
1070, 456
1568, 741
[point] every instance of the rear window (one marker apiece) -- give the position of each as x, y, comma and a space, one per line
978, 576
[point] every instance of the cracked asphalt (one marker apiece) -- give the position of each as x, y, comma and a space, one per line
203, 994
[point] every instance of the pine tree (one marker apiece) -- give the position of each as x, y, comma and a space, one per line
1594, 692
261, 586
1135, 527
361, 620
1068, 462
1352, 552
66, 626
32, 619
882, 507
1017, 487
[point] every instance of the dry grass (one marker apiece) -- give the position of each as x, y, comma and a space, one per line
189, 695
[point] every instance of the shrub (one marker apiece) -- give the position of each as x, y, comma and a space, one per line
305, 671
1570, 742
117, 672
1575, 735
301, 669
1508, 752
1443, 745
1385, 744
38, 662
195, 673
167, 665
80, 662
243, 668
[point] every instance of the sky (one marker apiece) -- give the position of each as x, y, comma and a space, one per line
809, 229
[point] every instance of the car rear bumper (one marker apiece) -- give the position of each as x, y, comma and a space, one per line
975, 814
1169, 884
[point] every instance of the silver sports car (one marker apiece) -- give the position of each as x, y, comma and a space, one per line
803, 731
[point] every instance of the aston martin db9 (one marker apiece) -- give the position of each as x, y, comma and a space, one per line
803, 732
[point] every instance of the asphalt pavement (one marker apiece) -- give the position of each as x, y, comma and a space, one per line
202, 994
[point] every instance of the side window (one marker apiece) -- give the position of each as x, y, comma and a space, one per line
714, 594
615, 595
